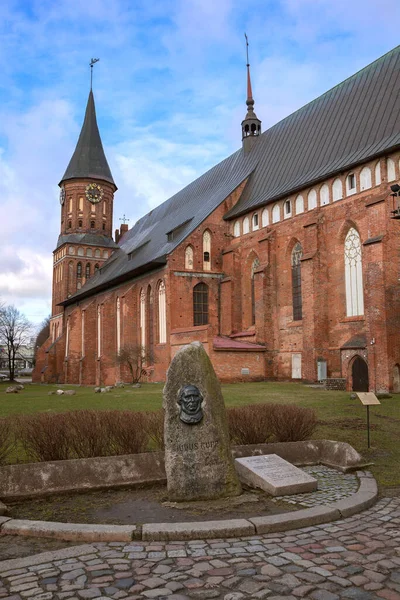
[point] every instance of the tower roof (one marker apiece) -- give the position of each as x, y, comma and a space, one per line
89, 160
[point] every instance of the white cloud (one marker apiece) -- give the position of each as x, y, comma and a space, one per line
170, 97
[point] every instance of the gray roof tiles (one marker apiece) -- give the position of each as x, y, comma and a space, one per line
88, 239
353, 122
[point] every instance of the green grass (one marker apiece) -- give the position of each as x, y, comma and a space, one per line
340, 417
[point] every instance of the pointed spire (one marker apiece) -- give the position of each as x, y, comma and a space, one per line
251, 125
249, 90
89, 160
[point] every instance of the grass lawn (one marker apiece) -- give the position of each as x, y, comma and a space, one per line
339, 417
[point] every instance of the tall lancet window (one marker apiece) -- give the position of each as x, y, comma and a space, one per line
353, 274
99, 332
118, 325
189, 258
83, 333
162, 318
143, 319
256, 263
207, 251
67, 340
297, 301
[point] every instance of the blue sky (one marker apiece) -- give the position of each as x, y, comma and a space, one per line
169, 92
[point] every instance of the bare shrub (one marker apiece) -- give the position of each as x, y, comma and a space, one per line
127, 431
155, 428
89, 433
134, 357
44, 436
250, 424
291, 423
6, 441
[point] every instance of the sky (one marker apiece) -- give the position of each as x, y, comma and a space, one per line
169, 89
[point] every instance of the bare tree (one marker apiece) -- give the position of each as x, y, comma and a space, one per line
134, 356
43, 333
15, 332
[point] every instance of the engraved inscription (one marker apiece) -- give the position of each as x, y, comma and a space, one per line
206, 445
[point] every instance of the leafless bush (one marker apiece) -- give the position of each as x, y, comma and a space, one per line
44, 436
6, 441
261, 423
291, 423
250, 424
155, 428
127, 431
89, 433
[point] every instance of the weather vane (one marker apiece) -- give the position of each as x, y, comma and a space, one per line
247, 50
93, 61
124, 219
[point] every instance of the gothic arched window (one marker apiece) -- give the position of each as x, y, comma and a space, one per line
87, 270
299, 205
312, 200
391, 170
276, 213
207, 251
297, 302
99, 331
118, 325
337, 190
365, 179
143, 319
353, 274
378, 173
256, 263
162, 316
96, 267
236, 229
79, 270
200, 304
324, 195
246, 225
265, 217
189, 258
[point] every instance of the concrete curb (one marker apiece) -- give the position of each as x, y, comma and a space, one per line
364, 498
197, 530
76, 532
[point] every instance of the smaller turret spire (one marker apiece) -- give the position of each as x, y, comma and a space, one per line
251, 125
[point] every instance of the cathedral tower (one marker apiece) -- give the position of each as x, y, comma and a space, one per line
86, 197
251, 125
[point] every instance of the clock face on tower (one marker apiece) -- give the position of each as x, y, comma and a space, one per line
94, 192
62, 195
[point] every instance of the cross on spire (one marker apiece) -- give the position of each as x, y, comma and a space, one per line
124, 219
93, 61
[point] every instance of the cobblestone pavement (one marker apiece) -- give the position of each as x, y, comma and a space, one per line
356, 558
332, 486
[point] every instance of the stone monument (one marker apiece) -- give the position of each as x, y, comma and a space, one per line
198, 459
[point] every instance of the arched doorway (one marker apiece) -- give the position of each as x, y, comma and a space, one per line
359, 371
396, 379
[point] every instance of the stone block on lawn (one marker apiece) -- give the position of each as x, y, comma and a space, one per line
198, 458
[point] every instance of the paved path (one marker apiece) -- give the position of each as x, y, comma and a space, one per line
356, 558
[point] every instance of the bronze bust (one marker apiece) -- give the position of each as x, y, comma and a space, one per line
189, 400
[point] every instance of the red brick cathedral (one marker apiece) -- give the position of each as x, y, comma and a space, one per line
283, 260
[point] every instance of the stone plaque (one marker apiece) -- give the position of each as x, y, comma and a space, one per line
198, 459
275, 475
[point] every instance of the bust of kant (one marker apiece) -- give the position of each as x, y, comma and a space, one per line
189, 401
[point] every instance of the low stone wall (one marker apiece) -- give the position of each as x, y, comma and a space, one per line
335, 383
41, 479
